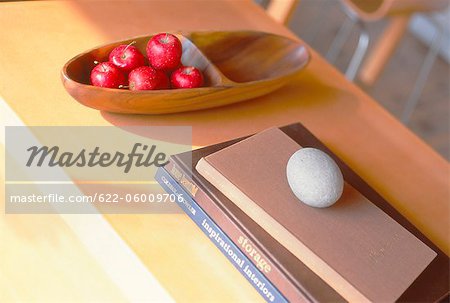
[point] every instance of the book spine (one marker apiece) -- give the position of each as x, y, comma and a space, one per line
239, 235
219, 238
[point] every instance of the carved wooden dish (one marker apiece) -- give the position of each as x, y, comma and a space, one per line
236, 66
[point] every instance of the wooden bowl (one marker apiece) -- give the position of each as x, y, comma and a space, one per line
237, 66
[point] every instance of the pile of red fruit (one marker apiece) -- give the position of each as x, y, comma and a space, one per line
127, 67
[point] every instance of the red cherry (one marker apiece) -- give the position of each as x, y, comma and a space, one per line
186, 77
164, 52
146, 78
106, 74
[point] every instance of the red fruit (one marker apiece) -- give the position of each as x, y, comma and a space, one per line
164, 52
127, 57
146, 77
106, 74
186, 77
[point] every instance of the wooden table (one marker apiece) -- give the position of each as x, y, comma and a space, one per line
38, 37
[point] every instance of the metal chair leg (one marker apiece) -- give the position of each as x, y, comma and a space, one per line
342, 36
360, 52
339, 40
424, 72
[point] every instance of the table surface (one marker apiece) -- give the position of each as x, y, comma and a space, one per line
43, 35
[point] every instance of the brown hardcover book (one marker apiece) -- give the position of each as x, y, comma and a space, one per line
361, 252
431, 284
291, 277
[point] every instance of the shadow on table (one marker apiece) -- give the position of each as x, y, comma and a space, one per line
287, 105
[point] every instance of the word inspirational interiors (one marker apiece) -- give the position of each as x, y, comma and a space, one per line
213, 234
140, 155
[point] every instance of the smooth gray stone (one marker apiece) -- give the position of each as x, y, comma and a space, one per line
314, 177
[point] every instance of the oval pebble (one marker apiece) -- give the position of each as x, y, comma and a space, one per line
314, 177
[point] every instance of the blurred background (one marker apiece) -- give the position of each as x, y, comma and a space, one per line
319, 22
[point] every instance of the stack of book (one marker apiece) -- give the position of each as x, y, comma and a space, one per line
360, 249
